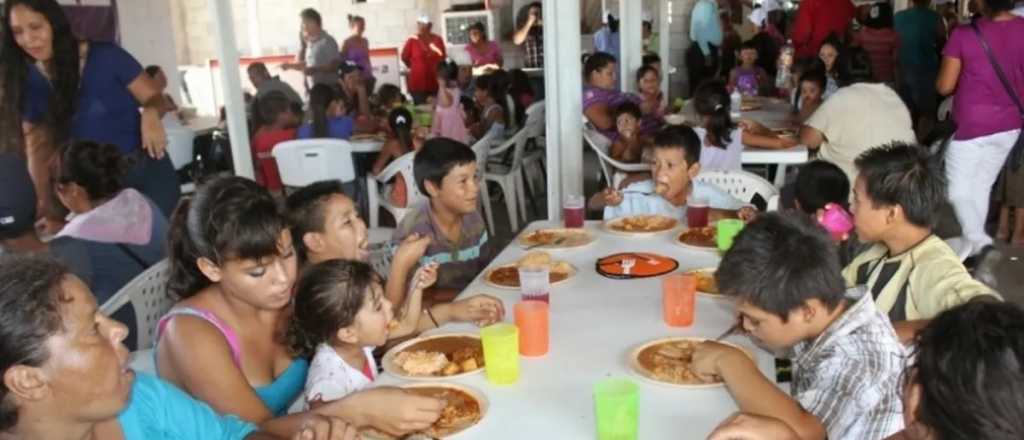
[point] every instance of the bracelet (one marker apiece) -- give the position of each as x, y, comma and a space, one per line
431, 315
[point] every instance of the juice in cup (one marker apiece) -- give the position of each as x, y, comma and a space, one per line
677, 294
617, 407
697, 211
728, 229
573, 211
501, 353
532, 320
535, 283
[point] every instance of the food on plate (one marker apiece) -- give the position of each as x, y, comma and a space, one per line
700, 237
750, 103
643, 223
556, 238
462, 410
706, 281
441, 356
508, 276
672, 362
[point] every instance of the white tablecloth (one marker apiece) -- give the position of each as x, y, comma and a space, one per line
595, 323
366, 146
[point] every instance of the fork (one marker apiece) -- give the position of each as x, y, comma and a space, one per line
627, 264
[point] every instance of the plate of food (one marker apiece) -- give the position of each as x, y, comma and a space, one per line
668, 361
556, 238
750, 103
641, 224
466, 407
367, 137
698, 238
507, 276
432, 357
706, 284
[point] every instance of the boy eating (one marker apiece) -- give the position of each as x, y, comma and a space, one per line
784, 275
912, 273
446, 171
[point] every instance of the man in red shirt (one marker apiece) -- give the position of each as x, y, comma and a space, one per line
422, 53
816, 20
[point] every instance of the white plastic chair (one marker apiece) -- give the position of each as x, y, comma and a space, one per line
535, 159
743, 185
379, 197
482, 150
305, 161
510, 177
147, 294
610, 167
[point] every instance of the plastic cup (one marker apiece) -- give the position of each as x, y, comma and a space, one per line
501, 353
535, 283
532, 320
677, 297
697, 211
573, 211
728, 229
617, 407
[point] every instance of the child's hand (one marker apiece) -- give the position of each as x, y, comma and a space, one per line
424, 277
752, 427
787, 142
612, 197
709, 357
396, 411
412, 248
747, 214
482, 310
318, 427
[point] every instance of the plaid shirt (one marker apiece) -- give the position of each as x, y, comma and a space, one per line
849, 376
534, 48
460, 261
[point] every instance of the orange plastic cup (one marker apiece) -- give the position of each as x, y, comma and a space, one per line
532, 319
678, 291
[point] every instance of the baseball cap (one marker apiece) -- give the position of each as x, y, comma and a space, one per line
423, 18
17, 197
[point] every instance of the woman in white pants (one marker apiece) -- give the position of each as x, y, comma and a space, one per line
988, 122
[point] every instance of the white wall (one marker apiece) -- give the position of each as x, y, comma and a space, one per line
147, 33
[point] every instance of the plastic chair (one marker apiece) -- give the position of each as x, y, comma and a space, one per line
535, 159
743, 185
482, 150
510, 177
148, 295
305, 161
610, 167
380, 198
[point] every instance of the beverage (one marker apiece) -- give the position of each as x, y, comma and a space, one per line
617, 409
697, 211
785, 66
535, 283
501, 353
678, 291
544, 297
531, 318
573, 211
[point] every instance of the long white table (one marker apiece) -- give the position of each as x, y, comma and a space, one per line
595, 323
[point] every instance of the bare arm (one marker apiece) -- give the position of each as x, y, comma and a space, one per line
766, 140
523, 32
811, 137
38, 152
949, 75
600, 116
149, 96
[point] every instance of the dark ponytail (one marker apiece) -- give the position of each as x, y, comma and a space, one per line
320, 98
97, 168
228, 218
328, 297
448, 70
400, 122
712, 101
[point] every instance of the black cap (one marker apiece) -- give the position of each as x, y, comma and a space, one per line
17, 197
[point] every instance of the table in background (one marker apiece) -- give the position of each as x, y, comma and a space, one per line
595, 323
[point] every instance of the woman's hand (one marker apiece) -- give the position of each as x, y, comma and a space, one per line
482, 310
154, 138
394, 410
326, 428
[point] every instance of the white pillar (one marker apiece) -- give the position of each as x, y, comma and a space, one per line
227, 52
255, 42
664, 51
631, 42
563, 101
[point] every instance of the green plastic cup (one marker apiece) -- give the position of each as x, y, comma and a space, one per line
501, 353
727, 231
617, 405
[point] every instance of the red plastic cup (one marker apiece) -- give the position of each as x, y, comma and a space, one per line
697, 211
678, 292
573, 210
532, 319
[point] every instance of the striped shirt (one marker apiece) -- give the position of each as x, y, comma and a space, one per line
849, 376
461, 260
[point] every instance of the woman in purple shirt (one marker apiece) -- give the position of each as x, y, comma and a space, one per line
484, 54
988, 122
57, 88
356, 48
600, 97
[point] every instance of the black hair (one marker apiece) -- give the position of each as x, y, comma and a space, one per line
995, 6
306, 211
712, 101
496, 89
967, 362
628, 108
320, 98
328, 297
95, 167
644, 70
816, 76
311, 15
749, 45
779, 262
519, 85
448, 70
613, 23
650, 58
272, 105
400, 122
258, 67
681, 137
388, 93
355, 18
906, 175
880, 16
469, 109
437, 158
478, 26
228, 218
819, 183
15, 64
30, 303
152, 70
808, 66
841, 68
596, 61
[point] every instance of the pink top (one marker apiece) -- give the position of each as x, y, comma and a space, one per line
449, 121
489, 54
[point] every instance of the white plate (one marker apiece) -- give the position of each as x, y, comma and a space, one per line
487, 277
707, 270
675, 239
388, 361
608, 226
634, 362
475, 393
586, 239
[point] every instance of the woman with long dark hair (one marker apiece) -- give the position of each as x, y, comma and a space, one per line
600, 97
328, 115
56, 87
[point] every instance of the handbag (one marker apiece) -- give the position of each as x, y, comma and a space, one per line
1016, 157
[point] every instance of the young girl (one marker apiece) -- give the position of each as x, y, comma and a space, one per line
722, 141
629, 146
652, 101
449, 121
328, 118
402, 141
340, 316
490, 98
810, 94
748, 77
836, 69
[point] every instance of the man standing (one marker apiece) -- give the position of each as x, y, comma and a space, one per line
422, 53
702, 59
530, 35
261, 80
816, 20
921, 34
319, 57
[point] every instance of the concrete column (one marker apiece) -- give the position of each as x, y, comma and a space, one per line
630, 42
255, 42
227, 53
664, 51
563, 101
